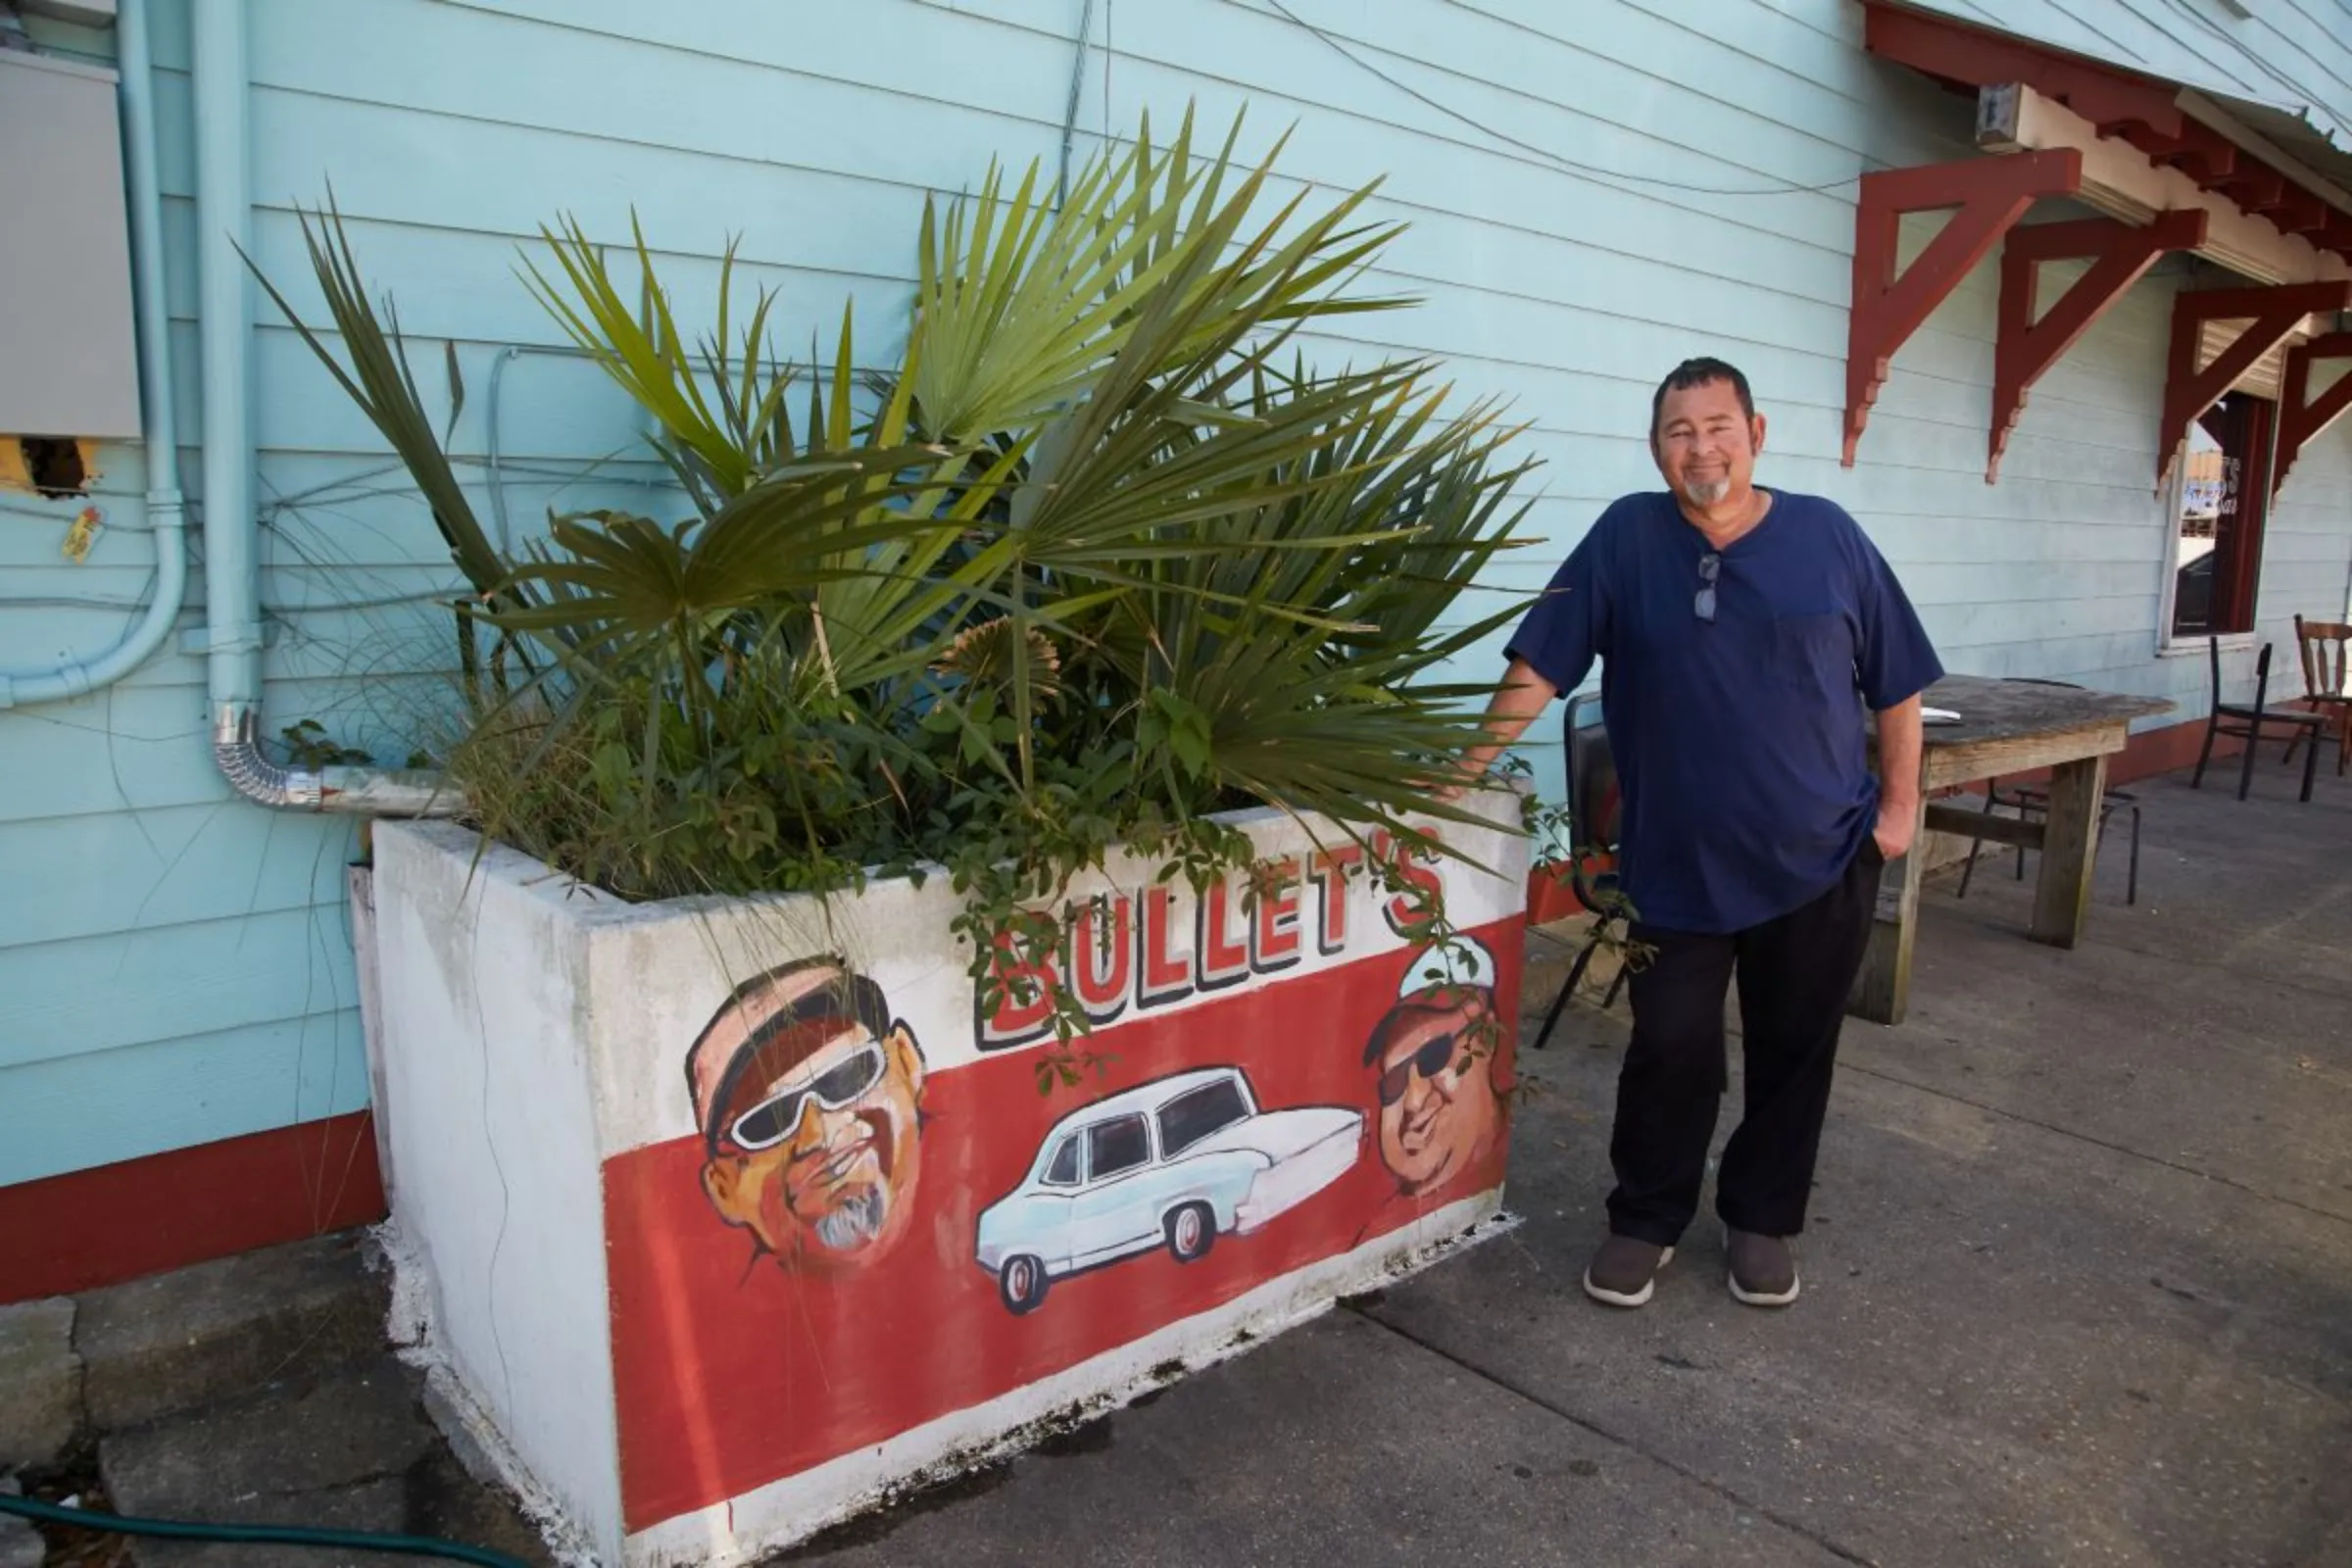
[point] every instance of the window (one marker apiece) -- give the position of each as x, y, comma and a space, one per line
1190, 1117
2224, 491
1118, 1144
1062, 1170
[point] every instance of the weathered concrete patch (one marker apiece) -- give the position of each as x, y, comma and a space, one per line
41, 1382
346, 1450
158, 1347
20, 1545
1338, 1443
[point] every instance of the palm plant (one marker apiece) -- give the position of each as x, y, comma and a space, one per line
1100, 559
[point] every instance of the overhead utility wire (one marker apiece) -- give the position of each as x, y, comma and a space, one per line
1630, 181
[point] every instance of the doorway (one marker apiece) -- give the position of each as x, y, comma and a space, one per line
2224, 500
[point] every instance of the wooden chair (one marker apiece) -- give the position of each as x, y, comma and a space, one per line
2230, 719
2327, 682
1595, 812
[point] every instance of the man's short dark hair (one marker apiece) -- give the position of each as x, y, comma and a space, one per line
1699, 372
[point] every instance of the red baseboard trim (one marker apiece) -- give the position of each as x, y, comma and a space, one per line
2169, 750
89, 1228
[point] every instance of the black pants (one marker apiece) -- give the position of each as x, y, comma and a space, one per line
1795, 975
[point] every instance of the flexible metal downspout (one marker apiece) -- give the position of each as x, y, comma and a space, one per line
167, 508
231, 575
369, 791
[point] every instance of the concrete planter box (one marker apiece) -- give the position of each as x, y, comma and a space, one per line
733, 1217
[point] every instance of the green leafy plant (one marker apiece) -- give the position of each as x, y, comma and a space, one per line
1100, 560
309, 746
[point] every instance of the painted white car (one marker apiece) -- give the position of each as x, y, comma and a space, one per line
1173, 1163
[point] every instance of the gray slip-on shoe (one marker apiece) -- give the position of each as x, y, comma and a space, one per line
1623, 1271
1762, 1271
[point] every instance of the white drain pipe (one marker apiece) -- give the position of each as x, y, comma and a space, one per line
232, 577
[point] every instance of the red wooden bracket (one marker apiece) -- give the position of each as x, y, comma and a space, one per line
2025, 348
2270, 314
2300, 214
2256, 187
2302, 417
2202, 153
1992, 195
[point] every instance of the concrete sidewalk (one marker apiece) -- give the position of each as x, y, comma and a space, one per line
2078, 1291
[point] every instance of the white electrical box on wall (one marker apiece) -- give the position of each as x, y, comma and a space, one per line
69, 355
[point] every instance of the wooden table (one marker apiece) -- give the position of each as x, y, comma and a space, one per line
2005, 727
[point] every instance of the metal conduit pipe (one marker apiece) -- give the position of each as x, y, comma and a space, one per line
167, 507
232, 578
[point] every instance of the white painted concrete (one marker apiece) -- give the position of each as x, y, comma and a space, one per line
485, 1057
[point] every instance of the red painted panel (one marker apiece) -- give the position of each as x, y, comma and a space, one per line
732, 1372
90, 1227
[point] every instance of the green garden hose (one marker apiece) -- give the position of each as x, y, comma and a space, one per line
280, 1535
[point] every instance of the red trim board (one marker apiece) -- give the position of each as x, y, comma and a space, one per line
103, 1226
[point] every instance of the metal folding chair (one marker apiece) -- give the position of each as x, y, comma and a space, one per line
2026, 799
1595, 812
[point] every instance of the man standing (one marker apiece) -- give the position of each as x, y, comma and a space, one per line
1740, 632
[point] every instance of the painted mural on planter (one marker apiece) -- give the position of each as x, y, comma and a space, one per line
808, 1094
869, 1217
1176, 1162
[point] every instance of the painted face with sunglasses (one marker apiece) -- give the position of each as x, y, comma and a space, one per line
808, 1097
1438, 1113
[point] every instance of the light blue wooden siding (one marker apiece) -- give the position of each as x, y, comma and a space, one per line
175, 968
186, 975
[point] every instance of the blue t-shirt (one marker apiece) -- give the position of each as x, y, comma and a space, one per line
1741, 743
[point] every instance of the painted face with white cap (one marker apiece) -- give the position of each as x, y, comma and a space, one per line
1439, 1111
